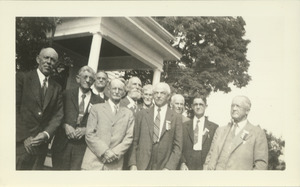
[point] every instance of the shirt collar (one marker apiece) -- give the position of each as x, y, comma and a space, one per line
112, 104
87, 93
242, 124
162, 109
41, 76
131, 100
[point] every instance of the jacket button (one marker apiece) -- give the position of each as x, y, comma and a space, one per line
39, 113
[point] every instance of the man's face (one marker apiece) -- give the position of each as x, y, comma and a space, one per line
101, 80
147, 97
178, 105
198, 107
135, 89
47, 60
239, 109
161, 96
85, 80
116, 91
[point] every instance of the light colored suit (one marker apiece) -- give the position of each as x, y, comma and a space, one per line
248, 152
106, 130
169, 146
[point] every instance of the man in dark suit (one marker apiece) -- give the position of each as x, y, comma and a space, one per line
157, 141
39, 111
69, 144
198, 134
100, 84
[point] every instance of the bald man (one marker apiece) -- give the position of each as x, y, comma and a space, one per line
239, 145
109, 132
157, 142
39, 111
177, 104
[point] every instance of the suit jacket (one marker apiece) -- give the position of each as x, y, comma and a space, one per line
249, 150
188, 143
170, 144
125, 102
71, 111
33, 116
106, 130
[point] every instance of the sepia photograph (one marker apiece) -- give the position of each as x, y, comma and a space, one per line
198, 94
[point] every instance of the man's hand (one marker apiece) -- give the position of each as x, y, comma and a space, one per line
70, 131
39, 139
183, 166
79, 132
27, 144
110, 156
133, 167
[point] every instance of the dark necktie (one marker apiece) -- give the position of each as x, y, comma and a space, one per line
196, 132
81, 109
156, 126
116, 109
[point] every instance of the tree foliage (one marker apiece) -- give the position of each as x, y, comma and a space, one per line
214, 54
275, 147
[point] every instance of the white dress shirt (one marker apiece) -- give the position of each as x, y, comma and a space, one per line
240, 126
198, 145
112, 106
42, 77
95, 91
163, 112
86, 99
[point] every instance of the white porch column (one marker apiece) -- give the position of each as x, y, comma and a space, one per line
156, 76
95, 51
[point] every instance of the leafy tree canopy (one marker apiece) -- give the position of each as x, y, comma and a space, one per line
214, 54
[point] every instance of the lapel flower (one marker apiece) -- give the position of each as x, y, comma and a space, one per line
205, 131
168, 125
244, 135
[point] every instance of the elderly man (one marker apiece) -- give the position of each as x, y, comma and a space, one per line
69, 143
100, 84
177, 104
157, 142
39, 111
197, 136
239, 145
109, 132
147, 95
134, 94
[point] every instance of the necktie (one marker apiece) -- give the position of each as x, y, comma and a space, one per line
156, 126
44, 87
116, 109
196, 132
81, 109
233, 129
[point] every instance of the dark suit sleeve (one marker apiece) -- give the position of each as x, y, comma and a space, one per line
136, 137
185, 136
177, 145
261, 151
57, 116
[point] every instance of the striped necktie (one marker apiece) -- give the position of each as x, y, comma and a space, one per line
156, 126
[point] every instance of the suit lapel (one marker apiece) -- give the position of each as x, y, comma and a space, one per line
207, 126
191, 130
36, 87
150, 121
238, 139
168, 117
223, 136
74, 98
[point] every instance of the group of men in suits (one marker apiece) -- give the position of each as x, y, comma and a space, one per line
95, 131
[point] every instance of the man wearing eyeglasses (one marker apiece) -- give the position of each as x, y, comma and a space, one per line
198, 134
157, 142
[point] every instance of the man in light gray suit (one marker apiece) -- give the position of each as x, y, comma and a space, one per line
109, 132
239, 145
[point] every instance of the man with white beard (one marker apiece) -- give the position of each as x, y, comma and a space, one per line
134, 94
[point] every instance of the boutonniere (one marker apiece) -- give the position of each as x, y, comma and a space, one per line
244, 135
206, 131
90, 107
168, 125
